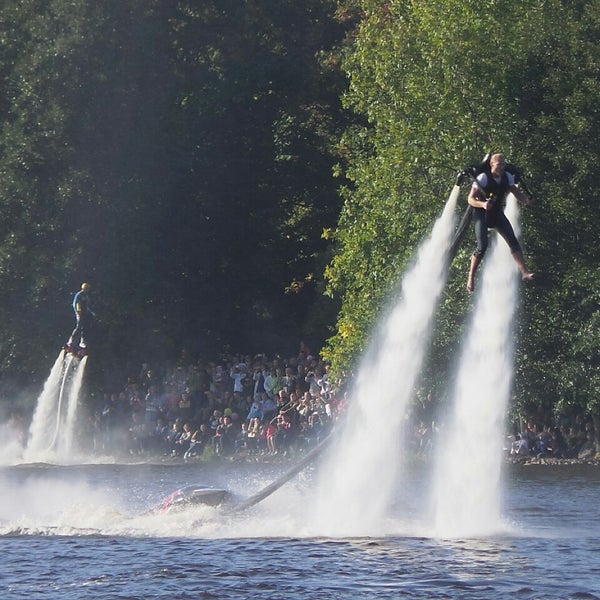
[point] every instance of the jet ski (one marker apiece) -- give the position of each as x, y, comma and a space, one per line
194, 494
190, 495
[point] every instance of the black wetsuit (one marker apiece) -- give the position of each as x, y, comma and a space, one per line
495, 191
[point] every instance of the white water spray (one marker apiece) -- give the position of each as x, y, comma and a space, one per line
466, 491
45, 410
52, 430
72, 404
358, 481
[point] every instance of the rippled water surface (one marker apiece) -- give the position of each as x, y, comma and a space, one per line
88, 531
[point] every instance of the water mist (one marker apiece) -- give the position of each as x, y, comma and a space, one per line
363, 467
52, 430
45, 411
467, 485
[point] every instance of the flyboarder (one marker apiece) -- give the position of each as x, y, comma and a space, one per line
83, 316
487, 197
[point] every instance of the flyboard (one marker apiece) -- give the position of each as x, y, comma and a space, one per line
471, 173
74, 360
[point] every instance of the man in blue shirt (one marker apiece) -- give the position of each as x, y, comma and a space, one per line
83, 316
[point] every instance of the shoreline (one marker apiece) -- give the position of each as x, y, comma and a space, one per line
290, 459
528, 461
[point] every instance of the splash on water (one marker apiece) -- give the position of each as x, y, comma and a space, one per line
75, 503
363, 467
466, 495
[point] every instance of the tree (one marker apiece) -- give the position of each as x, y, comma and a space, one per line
42, 186
175, 156
437, 85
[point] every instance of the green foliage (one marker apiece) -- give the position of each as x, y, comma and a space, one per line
42, 186
175, 155
437, 84
179, 156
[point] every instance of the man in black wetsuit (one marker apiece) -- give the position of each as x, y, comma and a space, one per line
487, 197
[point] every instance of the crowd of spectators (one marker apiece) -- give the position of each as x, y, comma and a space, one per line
264, 406
261, 405
238, 405
571, 438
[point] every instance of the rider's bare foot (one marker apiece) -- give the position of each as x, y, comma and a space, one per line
470, 285
528, 276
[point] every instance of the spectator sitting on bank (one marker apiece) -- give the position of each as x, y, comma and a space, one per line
224, 438
173, 435
215, 420
573, 443
255, 410
520, 447
182, 441
270, 434
282, 435
588, 448
314, 430
293, 419
254, 435
200, 438
304, 405
531, 433
241, 440
269, 408
282, 400
556, 446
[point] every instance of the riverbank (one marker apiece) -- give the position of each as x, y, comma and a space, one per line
544, 460
289, 458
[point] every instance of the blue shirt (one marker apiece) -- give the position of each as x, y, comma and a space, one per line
81, 299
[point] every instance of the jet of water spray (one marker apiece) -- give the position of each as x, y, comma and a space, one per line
362, 470
45, 411
51, 435
467, 481
72, 405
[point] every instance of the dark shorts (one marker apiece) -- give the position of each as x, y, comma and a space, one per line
484, 220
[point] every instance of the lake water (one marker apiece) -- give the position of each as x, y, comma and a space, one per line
87, 531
